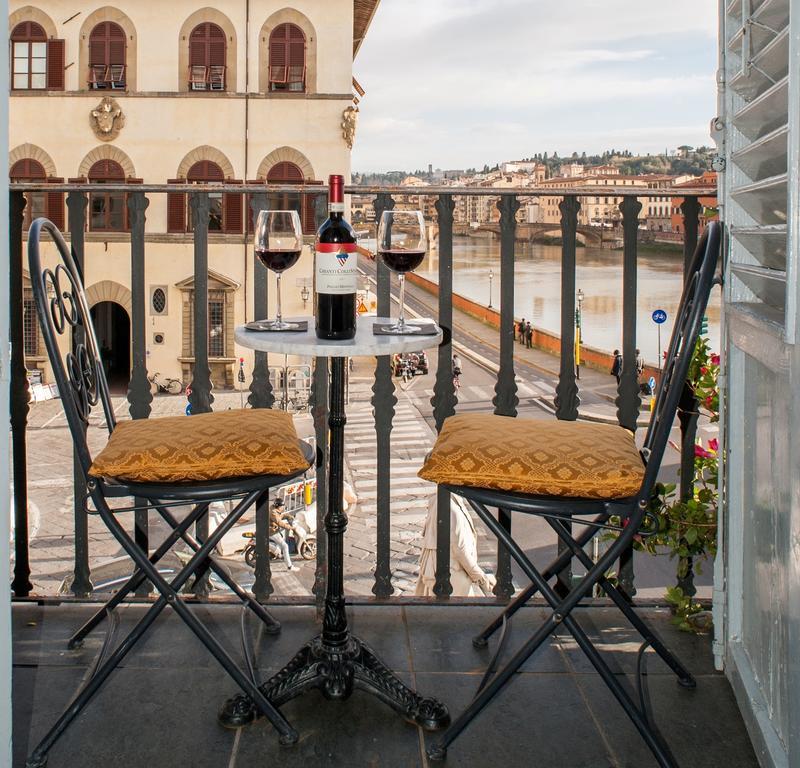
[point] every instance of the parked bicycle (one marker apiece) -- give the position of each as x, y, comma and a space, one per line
166, 384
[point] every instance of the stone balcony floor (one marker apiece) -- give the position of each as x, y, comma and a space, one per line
159, 708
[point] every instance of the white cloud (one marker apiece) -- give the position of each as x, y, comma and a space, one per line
462, 82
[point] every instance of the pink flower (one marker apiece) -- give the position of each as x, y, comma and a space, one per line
703, 370
714, 359
713, 444
701, 453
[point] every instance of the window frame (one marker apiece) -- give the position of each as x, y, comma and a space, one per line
34, 34
281, 48
121, 197
215, 76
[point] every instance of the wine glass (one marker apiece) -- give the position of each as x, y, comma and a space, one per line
402, 245
278, 242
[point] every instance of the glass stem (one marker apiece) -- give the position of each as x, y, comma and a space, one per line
278, 297
401, 320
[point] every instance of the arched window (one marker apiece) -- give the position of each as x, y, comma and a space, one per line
287, 58
107, 210
225, 209
49, 204
287, 172
107, 51
36, 62
207, 49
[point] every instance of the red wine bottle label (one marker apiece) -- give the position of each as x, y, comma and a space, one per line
337, 268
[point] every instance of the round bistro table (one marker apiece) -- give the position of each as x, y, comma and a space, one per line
336, 661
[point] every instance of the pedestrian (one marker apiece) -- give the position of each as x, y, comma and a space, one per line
277, 524
467, 578
528, 335
521, 331
616, 367
639, 364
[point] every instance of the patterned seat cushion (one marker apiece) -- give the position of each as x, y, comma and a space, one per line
540, 458
207, 446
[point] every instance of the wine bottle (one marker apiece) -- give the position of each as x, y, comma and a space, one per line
336, 270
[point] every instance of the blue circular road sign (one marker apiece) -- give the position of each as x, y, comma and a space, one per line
659, 316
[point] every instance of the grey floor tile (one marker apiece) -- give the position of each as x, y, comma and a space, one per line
619, 642
358, 733
536, 720
441, 639
702, 727
158, 718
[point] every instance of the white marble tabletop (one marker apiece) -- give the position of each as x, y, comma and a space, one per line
306, 344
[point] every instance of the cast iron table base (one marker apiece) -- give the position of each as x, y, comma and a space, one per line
336, 662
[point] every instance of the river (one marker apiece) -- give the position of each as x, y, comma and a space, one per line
537, 289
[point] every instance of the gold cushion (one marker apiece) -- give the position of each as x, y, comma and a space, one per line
540, 458
207, 446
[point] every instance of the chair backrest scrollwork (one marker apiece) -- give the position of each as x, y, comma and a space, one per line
671, 388
63, 311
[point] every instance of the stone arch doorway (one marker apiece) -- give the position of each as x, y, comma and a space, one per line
113, 328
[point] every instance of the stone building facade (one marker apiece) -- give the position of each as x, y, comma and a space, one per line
146, 92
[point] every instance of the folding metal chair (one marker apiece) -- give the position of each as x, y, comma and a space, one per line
575, 473
233, 455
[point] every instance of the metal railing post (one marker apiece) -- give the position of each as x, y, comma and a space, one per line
444, 397
505, 399
139, 394
77, 203
628, 400
19, 399
567, 399
383, 406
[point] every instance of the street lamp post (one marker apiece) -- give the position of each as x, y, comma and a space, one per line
578, 321
304, 295
491, 275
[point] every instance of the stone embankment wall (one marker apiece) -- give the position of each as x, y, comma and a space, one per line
598, 359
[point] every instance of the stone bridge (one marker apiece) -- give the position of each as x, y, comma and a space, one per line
585, 235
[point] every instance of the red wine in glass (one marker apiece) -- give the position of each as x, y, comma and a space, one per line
277, 244
278, 261
400, 260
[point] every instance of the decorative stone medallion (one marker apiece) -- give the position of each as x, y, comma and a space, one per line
107, 119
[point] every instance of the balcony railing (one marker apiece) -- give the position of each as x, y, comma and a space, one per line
261, 393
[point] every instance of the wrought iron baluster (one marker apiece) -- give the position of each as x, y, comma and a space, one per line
444, 397
20, 397
505, 400
319, 414
383, 408
628, 400
261, 394
567, 398
688, 407
81, 582
201, 397
139, 394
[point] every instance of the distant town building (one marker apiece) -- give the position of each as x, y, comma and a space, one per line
708, 203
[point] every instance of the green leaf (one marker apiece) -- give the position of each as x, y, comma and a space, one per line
691, 535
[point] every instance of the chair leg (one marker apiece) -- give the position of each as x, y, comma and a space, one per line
481, 639
685, 678
136, 578
169, 592
271, 625
562, 609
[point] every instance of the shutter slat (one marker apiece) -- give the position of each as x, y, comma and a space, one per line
176, 209
55, 204
55, 65
233, 210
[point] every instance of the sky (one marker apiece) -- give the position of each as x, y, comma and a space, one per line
463, 83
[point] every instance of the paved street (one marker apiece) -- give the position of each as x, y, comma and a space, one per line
50, 472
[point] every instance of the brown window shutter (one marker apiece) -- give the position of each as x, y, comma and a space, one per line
233, 210
248, 210
307, 214
176, 208
55, 65
55, 204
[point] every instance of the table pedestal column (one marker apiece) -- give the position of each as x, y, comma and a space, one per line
337, 662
